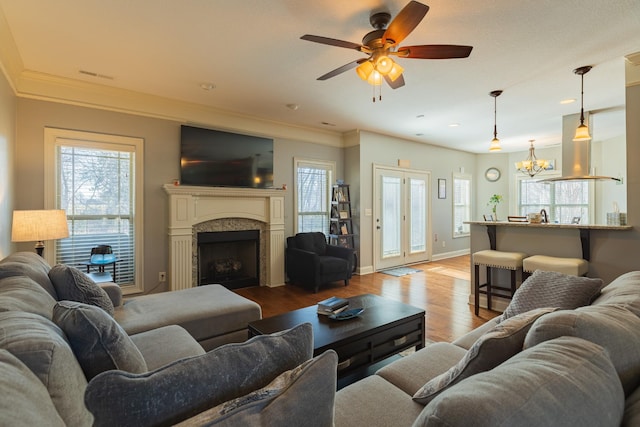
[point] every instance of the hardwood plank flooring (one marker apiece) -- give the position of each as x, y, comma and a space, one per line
441, 289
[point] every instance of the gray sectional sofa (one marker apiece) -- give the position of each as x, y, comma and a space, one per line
552, 359
148, 333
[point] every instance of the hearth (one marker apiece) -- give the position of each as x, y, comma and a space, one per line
229, 258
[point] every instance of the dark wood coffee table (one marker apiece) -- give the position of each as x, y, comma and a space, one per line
385, 328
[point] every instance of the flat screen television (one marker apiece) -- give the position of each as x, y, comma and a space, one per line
223, 159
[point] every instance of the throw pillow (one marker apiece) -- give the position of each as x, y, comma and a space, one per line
288, 400
552, 289
222, 374
563, 382
42, 347
28, 264
613, 327
23, 389
73, 285
98, 342
490, 350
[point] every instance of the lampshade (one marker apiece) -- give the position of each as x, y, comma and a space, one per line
39, 225
396, 71
364, 70
495, 145
384, 65
582, 133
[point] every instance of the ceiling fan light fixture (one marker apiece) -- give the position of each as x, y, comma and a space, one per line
396, 71
375, 78
364, 70
384, 64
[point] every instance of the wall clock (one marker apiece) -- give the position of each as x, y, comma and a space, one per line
492, 174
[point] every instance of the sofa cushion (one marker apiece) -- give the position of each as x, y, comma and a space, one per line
632, 410
42, 347
491, 349
552, 289
411, 372
27, 403
165, 345
225, 373
205, 312
611, 326
28, 264
98, 342
528, 390
373, 401
288, 400
20, 293
624, 291
73, 285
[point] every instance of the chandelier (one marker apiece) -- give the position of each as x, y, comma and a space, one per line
532, 165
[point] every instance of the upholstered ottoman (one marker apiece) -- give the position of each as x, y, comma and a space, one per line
212, 314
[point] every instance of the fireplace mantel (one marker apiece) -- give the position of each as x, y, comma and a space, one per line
191, 205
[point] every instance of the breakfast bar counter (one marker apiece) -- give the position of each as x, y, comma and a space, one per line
587, 241
584, 231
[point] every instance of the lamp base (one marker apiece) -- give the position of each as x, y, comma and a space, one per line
40, 248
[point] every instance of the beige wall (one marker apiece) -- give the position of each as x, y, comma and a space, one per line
376, 149
7, 144
162, 159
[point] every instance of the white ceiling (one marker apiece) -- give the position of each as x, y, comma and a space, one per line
251, 51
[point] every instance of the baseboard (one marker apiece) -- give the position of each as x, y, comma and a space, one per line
497, 303
453, 254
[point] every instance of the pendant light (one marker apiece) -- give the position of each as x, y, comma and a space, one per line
582, 132
495, 142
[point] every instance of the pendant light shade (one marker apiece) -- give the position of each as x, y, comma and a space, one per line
495, 142
582, 132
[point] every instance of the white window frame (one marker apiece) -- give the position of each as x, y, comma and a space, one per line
466, 229
545, 175
54, 137
319, 164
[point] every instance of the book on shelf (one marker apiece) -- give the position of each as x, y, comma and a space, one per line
332, 305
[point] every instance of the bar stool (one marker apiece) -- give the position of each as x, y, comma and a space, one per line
495, 259
572, 266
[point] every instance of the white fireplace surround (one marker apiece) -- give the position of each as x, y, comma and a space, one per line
190, 206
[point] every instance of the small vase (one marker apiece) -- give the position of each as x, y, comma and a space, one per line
495, 214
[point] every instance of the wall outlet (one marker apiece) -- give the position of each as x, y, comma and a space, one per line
444, 244
436, 237
162, 276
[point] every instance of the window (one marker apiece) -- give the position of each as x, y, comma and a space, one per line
563, 200
461, 204
95, 178
313, 180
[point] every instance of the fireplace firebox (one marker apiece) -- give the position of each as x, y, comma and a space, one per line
229, 258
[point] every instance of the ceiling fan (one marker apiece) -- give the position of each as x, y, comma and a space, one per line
382, 43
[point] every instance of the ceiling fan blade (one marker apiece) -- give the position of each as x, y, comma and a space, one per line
332, 42
395, 84
340, 70
435, 51
405, 22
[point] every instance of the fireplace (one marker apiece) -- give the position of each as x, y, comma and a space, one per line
229, 258
194, 210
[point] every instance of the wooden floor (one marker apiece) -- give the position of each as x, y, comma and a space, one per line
441, 289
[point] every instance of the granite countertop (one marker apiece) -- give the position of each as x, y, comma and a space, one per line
553, 225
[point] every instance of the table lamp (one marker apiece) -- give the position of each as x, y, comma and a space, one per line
39, 225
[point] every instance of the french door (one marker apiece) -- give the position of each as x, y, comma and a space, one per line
401, 217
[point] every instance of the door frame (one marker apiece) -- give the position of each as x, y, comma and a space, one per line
376, 212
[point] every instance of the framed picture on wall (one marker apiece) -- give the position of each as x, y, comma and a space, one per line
442, 188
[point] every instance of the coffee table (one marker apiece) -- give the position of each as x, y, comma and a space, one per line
385, 328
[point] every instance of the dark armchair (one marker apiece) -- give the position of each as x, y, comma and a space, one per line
311, 262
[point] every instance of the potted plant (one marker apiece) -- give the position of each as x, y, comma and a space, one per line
494, 201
